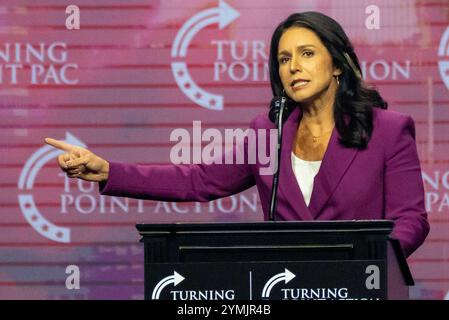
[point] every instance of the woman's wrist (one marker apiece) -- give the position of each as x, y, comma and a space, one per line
105, 172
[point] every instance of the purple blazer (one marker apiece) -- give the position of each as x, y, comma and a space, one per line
381, 182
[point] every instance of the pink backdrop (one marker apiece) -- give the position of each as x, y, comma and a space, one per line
110, 86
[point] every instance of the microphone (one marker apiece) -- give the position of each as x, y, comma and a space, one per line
275, 107
276, 115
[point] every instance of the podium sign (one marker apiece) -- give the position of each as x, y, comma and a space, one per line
338, 260
321, 280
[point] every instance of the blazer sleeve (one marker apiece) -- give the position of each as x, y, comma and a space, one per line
404, 190
184, 182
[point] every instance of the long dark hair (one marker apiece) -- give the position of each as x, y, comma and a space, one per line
354, 100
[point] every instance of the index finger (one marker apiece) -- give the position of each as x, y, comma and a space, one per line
61, 145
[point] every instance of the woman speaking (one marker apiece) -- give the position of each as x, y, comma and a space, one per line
343, 157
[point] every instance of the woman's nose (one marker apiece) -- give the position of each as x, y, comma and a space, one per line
295, 64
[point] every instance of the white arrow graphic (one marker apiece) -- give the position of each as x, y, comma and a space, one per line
443, 48
26, 201
286, 276
443, 51
223, 15
176, 278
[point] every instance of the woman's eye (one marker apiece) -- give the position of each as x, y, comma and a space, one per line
308, 53
283, 60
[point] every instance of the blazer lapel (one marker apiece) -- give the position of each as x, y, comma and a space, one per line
287, 180
336, 161
334, 165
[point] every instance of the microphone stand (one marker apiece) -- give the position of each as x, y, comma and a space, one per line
274, 189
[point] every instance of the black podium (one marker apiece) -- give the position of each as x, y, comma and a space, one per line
343, 260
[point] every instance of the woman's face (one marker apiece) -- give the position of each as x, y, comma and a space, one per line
305, 66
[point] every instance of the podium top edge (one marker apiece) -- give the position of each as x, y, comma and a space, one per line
334, 225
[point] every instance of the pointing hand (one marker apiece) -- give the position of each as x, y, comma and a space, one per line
79, 162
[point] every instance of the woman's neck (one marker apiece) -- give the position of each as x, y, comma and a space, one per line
318, 114
317, 119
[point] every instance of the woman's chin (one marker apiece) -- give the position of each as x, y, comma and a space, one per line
300, 98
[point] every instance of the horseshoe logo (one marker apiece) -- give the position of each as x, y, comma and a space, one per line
26, 201
443, 51
223, 15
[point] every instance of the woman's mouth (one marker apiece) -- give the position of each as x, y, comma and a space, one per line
299, 84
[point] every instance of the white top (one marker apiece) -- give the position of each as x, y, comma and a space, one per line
305, 172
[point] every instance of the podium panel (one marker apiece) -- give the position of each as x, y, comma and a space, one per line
274, 260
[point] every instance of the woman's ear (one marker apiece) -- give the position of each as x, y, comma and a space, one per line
337, 72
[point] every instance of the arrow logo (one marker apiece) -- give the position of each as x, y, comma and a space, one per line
285, 276
443, 51
26, 183
176, 278
223, 15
